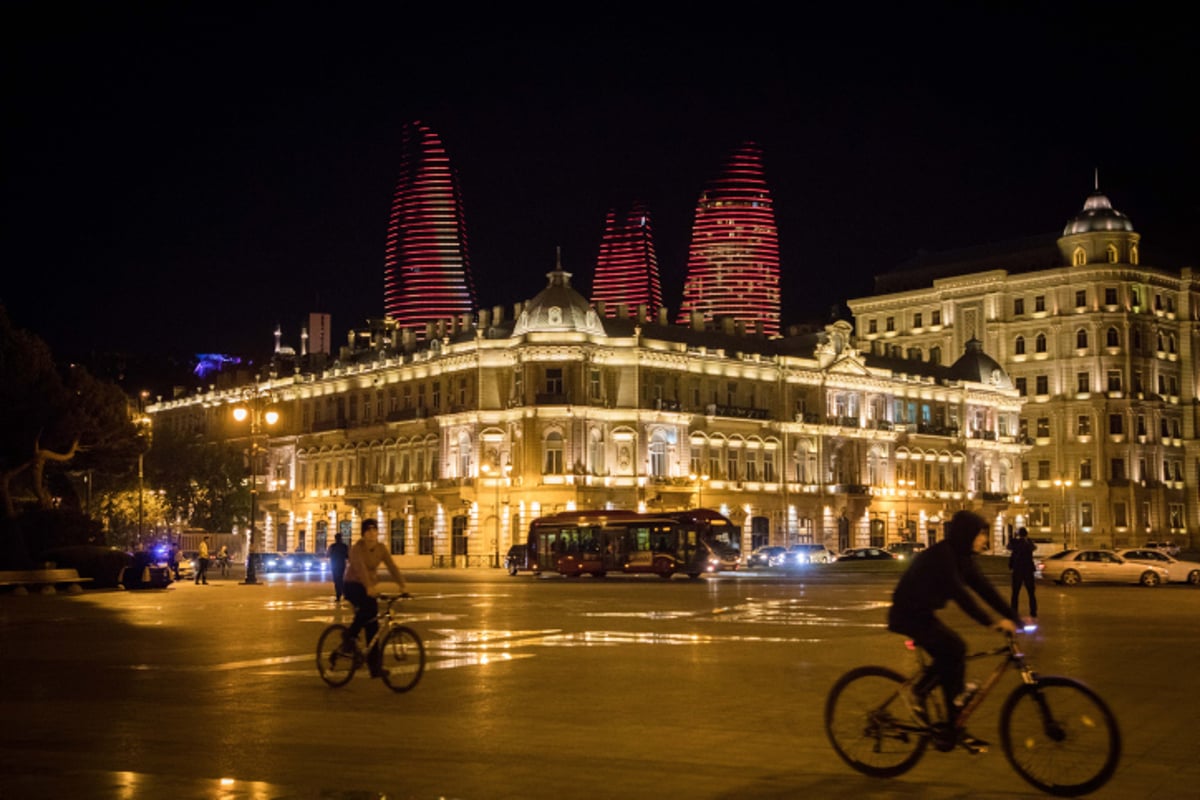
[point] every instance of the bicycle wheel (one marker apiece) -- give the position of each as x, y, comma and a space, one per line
403, 658
336, 668
869, 725
1060, 736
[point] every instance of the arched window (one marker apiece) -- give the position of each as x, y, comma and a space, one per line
1040, 343
1019, 346
1112, 338
1171, 343
1079, 257
596, 452
554, 454
658, 455
464, 454
1112, 254
1081, 339
1133, 254
935, 355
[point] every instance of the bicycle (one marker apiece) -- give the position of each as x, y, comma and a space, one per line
403, 651
1058, 734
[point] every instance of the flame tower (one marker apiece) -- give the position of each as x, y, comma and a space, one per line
426, 270
733, 260
627, 267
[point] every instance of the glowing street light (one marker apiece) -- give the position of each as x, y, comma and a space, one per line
259, 409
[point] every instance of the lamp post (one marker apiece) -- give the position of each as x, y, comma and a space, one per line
699, 480
1063, 484
501, 474
907, 484
259, 410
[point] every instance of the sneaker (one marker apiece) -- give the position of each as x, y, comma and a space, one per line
972, 744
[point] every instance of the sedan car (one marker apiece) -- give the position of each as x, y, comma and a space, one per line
310, 563
766, 556
276, 562
1177, 571
800, 554
866, 553
1071, 567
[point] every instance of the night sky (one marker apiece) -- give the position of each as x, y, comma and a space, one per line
182, 179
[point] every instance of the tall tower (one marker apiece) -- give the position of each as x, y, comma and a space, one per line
427, 273
627, 268
733, 261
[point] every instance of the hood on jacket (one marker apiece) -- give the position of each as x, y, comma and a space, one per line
964, 527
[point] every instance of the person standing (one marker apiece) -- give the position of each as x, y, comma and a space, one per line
223, 561
362, 589
1020, 562
338, 555
202, 563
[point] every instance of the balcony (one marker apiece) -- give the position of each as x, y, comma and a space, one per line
738, 412
552, 398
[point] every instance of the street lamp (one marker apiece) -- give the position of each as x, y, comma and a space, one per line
501, 475
259, 410
699, 481
1063, 484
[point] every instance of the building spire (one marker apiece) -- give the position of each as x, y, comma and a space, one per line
1097, 178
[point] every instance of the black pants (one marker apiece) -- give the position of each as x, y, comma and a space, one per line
1025, 579
201, 570
339, 574
945, 647
366, 610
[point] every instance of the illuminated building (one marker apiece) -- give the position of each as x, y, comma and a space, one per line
801, 438
627, 267
427, 273
733, 260
1102, 348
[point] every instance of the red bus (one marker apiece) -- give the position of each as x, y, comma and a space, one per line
598, 542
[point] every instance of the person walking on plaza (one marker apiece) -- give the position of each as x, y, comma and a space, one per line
1020, 561
338, 555
362, 590
223, 561
202, 563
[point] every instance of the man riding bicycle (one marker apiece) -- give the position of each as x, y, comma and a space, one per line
947, 571
361, 589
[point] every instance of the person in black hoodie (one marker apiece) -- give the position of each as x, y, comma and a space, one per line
947, 571
1024, 571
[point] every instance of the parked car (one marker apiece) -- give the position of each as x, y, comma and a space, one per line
310, 563
866, 553
1177, 571
1170, 548
517, 559
1071, 567
769, 555
800, 554
104, 565
277, 563
905, 550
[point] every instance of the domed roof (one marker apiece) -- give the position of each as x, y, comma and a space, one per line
1098, 215
978, 367
559, 308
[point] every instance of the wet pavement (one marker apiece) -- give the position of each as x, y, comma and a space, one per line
625, 687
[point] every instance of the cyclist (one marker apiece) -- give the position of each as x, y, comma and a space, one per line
947, 571
361, 589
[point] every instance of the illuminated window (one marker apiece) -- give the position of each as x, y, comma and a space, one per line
1079, 257
1083, 425
553, 464
1112, 254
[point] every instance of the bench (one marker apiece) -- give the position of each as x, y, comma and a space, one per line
46, 581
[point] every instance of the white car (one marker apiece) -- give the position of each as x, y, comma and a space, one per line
1071, 567
1177, 571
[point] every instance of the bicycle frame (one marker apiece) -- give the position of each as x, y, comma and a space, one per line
1013, 658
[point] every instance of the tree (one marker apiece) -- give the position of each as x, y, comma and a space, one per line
202, 482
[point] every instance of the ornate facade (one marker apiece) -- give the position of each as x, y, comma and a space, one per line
455, 443
1102, 349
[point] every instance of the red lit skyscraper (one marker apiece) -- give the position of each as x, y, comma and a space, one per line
427, 274
733, 261
627, 268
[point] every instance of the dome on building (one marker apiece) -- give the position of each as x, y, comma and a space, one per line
559, 308
978, 367
1098, 215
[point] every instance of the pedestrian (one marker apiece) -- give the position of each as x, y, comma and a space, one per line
338, 555
223, 561
362, 590
202, 563
1020, 562
173, 561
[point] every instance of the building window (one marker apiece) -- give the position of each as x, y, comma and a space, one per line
1043, 427
1110, 296
731, 464
1175, 510
1140, 424
1083, 381
396, 537
1043, 385
1019, 346
917, 319
1079, 257
1080, 298
1116, 425
658, 455
872, 326
553, 464
1085, 469
1083, 425
769, 466
1117, 469
1043, 470
1039, 303
1114, 380
935, 355
1081, 339
594, 383
1021, 386
1085, 515
1120, 515
935, 317
1040, 343
890, 324
425, 536
554, 380
437, 396
1019, 307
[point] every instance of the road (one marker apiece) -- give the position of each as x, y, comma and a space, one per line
619, 687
